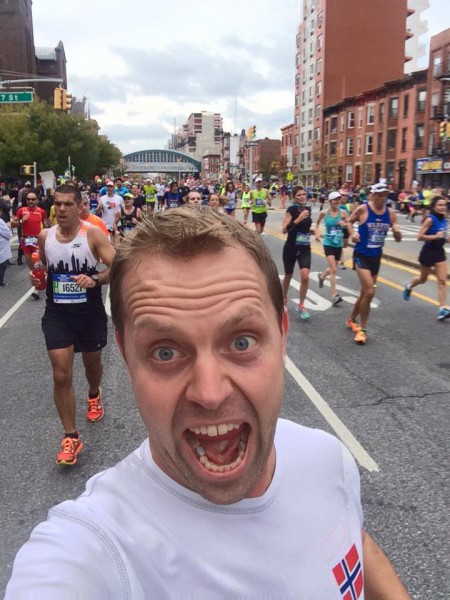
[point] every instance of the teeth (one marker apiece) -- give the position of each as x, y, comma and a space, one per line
214, 430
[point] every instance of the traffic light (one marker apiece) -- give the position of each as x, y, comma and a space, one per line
66, 100
251, 132
62, 100
57, 99
442, 129
27, 170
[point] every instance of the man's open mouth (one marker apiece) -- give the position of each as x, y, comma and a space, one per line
219, 448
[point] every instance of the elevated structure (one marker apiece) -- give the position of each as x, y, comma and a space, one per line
169, 162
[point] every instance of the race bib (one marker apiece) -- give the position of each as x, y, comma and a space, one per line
302, 239
260, 202
31, 241
376, 239
66, 291
173, 203
337, 235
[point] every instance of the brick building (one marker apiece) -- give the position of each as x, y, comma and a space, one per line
287, 143
16, 38
378, 133
343, 48
19, 58
433, 166
265, 152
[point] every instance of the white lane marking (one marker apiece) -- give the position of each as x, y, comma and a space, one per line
107, 302
315, 302
16, 306
344, 434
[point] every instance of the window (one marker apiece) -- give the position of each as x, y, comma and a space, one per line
404, 139
390, 169
311, 70
368, 173
360, 117
370, 114
303, 137
318, 88
318, 111
379, 142
369, 143
358, 146
419, 137
310, 136
319, 66
381, 112
351, 119
342, 123
317, 134
341, 149
350, 146
319, 41
348, 173
393, 107
435, 99
327, 126
310, 115
405, 105
333, 148
421, 100
334, 121
391, 139
437, 60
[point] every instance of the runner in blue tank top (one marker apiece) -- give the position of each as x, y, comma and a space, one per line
434, 232
374, 220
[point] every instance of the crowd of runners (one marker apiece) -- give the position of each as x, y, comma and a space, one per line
76, 228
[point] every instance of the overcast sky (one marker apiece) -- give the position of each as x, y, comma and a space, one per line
145, 64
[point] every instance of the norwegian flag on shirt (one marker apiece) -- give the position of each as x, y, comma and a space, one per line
349, 576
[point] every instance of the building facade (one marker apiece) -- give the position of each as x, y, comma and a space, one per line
50, 62
433, 166
262, 157
201, 135
416, 26
378, 133
16, 39
343, 47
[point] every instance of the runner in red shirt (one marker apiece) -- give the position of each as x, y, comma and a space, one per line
32, 218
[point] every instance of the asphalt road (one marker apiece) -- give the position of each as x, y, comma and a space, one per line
388, 399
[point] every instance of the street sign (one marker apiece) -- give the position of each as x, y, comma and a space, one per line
15, 97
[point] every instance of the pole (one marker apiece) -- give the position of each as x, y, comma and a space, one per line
251, 166
70, 167
35, 174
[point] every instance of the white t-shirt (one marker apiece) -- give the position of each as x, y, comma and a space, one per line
135, 533
110, 207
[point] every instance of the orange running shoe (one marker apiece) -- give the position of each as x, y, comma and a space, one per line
353, 325
95, 410
70, 449
361, 337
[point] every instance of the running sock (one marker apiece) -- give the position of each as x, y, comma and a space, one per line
92, 396
74, 435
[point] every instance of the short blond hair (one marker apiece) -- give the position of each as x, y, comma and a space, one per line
186, 233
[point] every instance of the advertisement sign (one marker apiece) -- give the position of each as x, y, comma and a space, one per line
432, 165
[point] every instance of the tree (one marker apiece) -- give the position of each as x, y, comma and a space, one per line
38, 133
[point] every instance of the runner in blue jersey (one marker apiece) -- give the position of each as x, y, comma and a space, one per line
229, 198
172, 198
434, 232
374, 220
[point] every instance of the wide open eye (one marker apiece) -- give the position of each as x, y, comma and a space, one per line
164, 354
243, 342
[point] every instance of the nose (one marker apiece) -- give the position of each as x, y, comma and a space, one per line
209, 385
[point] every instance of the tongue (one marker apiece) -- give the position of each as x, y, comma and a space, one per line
221, 452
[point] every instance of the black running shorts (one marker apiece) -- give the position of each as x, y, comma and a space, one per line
332, 251
259, 217
368, 263
86, 332
430, 255
293, 254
